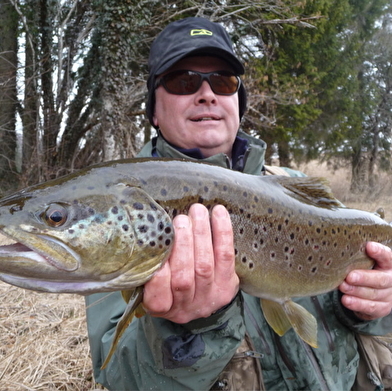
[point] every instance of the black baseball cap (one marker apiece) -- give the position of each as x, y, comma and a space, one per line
190, 37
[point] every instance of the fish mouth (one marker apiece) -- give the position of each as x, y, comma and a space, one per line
75, 287
13, 248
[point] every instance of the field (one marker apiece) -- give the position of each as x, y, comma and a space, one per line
43, 337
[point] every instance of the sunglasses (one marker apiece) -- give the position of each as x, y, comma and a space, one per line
183, 82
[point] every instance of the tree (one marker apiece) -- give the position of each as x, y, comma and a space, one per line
85, 67
8, 94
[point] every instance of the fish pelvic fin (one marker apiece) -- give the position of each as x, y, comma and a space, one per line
275, 316
281, 317
134, 299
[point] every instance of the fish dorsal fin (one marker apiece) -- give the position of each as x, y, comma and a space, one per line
311, 190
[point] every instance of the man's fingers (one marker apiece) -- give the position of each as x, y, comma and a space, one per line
203, 251
157, 296
381, 254
223, 240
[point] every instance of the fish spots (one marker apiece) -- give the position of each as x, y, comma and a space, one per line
142, 228
249, 263
114, 210
138, 206
152, 228
150, 218
328, 264
163, 192
270, 211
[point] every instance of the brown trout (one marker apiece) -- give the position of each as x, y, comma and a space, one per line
108, 228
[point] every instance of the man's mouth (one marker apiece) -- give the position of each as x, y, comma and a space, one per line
205, 119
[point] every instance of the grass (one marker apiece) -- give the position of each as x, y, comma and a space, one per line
43, 342
43, 337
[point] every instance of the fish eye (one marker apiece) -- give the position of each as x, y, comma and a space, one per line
55, 215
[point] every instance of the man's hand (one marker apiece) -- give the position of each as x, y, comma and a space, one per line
369, 292
199, 277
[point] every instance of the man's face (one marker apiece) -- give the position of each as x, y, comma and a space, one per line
202, 120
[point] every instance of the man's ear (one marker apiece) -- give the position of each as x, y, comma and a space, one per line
155, 120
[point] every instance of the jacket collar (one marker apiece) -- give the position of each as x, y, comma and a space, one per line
248, 153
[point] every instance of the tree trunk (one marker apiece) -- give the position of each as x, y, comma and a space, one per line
8, 96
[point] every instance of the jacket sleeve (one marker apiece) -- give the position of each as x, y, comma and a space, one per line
156, 354
381, 326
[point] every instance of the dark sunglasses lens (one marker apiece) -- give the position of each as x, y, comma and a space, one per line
182, 83
188, 82
224, 84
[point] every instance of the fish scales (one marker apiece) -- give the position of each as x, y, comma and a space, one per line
109, 227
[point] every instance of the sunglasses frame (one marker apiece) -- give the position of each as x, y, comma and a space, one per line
161, 81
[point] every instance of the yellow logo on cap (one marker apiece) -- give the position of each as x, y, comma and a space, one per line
200, 32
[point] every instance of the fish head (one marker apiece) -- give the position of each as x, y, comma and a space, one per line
83, 238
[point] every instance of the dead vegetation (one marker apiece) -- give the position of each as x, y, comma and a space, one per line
43, 337
43, 342
339, 179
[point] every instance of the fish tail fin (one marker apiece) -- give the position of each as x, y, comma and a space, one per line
282, 317
133, 308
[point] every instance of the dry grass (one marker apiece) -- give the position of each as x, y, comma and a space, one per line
339, 179
43, 342
43, 337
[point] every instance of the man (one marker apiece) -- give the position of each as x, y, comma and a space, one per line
198, 322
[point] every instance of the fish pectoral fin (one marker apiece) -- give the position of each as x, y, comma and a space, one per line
303, 322
127, 296
276, 316
132, 309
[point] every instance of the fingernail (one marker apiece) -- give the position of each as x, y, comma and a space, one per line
221, 212
354, 277
181, 221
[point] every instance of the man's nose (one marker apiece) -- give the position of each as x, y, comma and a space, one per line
205, 94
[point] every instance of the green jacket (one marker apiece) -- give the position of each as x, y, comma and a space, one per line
156, 354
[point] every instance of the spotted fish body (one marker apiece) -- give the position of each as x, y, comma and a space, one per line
108, 227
